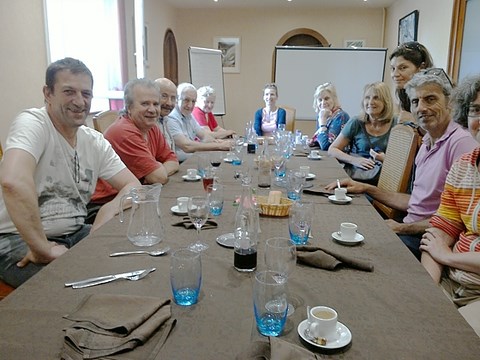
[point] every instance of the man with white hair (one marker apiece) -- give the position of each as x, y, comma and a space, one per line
189, 137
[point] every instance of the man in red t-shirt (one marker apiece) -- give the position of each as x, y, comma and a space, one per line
138, 140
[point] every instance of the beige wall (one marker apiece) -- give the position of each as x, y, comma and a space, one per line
24, 59
259, 33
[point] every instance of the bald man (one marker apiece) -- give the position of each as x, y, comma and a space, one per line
168, 100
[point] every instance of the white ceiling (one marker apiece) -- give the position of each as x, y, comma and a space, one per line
294, 4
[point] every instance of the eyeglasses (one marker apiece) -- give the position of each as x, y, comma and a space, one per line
474, 110
76, 170
413, 46
438, 72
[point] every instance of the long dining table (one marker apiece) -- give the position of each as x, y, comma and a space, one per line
393, 312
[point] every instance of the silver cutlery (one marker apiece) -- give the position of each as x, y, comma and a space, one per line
132, 275
159, 252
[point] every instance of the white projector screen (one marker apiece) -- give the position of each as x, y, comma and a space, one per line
299, 70
206, 69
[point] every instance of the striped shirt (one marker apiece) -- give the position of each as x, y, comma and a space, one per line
459, 210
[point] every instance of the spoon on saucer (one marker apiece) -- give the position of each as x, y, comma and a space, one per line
159, 252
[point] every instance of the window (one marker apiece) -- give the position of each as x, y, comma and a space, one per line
89, 30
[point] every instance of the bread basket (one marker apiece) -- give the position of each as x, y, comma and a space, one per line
279, 210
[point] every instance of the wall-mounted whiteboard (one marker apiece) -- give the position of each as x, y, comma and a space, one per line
299, 70
206, 69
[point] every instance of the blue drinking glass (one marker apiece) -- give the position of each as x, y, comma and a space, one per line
185, 276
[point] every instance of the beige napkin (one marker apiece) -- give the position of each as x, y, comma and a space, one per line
330, 260
187, 224
277, 349
109, 324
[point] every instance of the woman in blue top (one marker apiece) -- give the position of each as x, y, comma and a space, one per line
331, 118
268, 118
366, 135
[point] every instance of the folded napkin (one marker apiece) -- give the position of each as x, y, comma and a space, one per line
330, 260
110, 324
276, 349
187, 224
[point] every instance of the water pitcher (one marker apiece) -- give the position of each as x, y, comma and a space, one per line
145, 227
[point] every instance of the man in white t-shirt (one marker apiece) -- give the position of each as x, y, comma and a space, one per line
49, 171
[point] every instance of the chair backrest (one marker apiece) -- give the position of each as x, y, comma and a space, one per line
398, 165
290, 120
104, 119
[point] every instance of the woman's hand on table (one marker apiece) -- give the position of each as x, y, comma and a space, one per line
362, 163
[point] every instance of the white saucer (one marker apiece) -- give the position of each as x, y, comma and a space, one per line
358, 239
226, 240
334, 200
310, 176
314, 157
187, 178
344, 336
227, 160
174, 209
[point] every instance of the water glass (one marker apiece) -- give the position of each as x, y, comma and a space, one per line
269, 303
215, 198
295, 184
202, 163
185, 276
300, 221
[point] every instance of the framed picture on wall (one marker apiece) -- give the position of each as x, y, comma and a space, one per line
408, 27
230, 47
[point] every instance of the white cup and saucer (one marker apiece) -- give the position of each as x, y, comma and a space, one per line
340, 196
181, 207
322, 329
191, 175
314, 155
348, 234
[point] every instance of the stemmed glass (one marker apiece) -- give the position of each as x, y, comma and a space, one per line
198, 209
216, 158
281, 257
278, 159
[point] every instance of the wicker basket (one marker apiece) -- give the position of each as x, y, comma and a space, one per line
274, 210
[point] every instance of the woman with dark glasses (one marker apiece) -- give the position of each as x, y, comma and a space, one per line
405, 61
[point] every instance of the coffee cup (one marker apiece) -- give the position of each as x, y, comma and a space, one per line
322, 322
182, 203
348, 231
315, 153
340, 193
305, 169
192, 173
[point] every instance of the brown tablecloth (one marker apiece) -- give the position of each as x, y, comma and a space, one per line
394, 312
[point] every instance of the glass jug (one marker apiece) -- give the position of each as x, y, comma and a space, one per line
145, 227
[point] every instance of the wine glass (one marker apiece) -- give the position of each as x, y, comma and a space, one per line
198, 209
216, 158
278, 159
281, 257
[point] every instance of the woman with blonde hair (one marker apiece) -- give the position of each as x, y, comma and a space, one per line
268, 118
366, 135
330, 117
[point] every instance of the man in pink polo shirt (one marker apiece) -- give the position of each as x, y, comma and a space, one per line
444, 142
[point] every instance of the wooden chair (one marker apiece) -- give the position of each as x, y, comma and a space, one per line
398, 165
104, 119
5, 289
290, 120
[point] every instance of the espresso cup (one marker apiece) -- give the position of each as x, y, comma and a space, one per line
192, 173
322, 322
340, 193
315, 153
182, 202
348, 231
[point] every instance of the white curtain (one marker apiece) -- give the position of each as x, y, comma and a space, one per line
88, 30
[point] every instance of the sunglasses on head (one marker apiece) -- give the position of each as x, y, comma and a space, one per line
437, 72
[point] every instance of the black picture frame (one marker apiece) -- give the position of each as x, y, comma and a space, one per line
408, 27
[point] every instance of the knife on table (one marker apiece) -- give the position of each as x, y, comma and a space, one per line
107, 278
